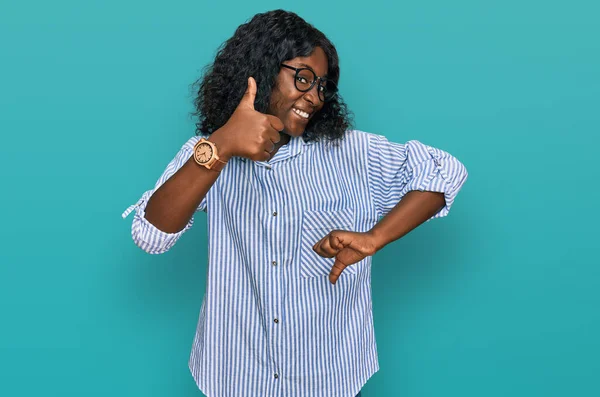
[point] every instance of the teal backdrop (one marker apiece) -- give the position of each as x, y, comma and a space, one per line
500, 298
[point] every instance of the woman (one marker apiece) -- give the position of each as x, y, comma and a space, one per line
293, 200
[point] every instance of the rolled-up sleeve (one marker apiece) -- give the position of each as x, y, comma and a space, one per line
145, 235
395, 169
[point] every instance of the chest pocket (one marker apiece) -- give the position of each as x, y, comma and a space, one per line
316, 224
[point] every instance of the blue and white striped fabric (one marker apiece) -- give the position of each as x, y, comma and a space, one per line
271, 323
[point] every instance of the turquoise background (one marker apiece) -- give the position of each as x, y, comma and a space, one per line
501, 298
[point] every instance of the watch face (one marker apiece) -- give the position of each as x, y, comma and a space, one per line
203, 153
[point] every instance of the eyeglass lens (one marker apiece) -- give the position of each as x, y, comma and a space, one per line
305, 78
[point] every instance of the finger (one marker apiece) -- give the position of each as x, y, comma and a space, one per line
273, 135
269, 147
329, 246
275, 122
317, 246
266, 156
336, 271
250, 95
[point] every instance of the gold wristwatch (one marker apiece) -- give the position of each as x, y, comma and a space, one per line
205, 154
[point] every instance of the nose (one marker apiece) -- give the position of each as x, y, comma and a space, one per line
312, 95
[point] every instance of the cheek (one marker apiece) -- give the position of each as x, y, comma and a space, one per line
276, 103
280, 106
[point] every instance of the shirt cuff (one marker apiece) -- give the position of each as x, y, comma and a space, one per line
147, 236
442, 174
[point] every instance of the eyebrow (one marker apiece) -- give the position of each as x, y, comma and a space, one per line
310, 67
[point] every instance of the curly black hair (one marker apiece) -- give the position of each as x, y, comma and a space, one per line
257, 49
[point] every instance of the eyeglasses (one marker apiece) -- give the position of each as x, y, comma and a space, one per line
305, 80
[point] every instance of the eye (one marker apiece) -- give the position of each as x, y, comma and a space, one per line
302, 80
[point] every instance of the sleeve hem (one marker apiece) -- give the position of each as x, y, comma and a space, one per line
440, 175
147, 236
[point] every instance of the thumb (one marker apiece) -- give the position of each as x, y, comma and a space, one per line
250, 94
336, 271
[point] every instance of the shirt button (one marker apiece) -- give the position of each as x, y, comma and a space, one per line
276, 321
276, 376
275, 213
274, 263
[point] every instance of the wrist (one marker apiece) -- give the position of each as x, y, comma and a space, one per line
376, 239
223, 150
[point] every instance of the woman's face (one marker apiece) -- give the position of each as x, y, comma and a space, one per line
292, 106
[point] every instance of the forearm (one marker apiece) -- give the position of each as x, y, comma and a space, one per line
173, 204
414, 208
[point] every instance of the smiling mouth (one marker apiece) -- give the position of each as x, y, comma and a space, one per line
301, 113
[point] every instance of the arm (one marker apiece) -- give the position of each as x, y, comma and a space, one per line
409, 184
350, 247
173, 204
413, 209
164, 213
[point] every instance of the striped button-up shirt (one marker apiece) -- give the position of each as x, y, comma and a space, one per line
271, 323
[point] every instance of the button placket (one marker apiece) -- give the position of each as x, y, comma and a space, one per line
272, 197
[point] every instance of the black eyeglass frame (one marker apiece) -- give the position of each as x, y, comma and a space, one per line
312, 83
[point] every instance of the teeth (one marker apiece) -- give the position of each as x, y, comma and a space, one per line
300, 113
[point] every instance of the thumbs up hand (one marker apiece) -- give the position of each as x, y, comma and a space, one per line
248, 133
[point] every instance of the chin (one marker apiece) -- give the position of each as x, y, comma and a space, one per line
295, 130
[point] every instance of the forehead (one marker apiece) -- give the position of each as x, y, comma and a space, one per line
317, 61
